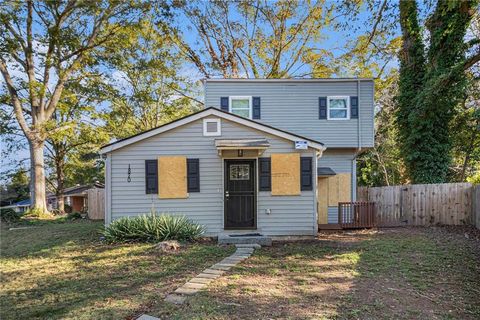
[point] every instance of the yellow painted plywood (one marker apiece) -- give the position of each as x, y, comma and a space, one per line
344, 187
339, 189
285, 174
322, 200
172, 177
333, 190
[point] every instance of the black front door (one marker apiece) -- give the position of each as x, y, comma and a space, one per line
240, 193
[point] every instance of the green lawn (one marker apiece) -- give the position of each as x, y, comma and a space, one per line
63, 271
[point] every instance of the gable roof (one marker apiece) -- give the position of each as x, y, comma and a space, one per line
202, 114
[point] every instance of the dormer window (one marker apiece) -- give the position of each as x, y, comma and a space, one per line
338, 108
241, 106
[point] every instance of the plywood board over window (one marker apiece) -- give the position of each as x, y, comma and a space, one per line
322, 200
339, 189
331, 191
285, 171
172, 177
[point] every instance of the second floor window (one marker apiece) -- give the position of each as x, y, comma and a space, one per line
241, 106
338, 108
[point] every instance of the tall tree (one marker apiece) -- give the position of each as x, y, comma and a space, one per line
147, 88
425, 123
255, 38
71, 152
411, 81
46, 44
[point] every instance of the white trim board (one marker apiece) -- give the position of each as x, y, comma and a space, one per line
205, 113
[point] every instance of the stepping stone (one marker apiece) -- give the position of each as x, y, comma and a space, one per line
244, 251
248, 245
192, 285
147, 317
231, 261
175, 299
208, 276
213, 271
199, 279
221, 267
186, 291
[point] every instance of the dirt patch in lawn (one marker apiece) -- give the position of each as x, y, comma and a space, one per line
402, 273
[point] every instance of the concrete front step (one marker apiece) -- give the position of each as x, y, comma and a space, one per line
245, 239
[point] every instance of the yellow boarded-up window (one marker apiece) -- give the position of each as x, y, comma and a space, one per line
339, 189
172, 177
331, 191
285, 171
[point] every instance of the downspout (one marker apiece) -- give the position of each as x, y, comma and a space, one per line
359, 148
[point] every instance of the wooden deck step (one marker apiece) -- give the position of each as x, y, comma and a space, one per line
329, 226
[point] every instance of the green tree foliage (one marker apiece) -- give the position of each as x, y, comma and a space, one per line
465, 130
411, 80
15, 188
147, 88
382, 165
427, 108
72, 152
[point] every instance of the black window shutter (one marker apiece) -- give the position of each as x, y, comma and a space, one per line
193, 175
306, 173
224, 103
151, 176
354, 107
322, 108
256, 108
264, 174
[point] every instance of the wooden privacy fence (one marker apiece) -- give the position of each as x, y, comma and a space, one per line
359, 214
421, 204
96, 204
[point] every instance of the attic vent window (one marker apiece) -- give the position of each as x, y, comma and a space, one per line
212, 127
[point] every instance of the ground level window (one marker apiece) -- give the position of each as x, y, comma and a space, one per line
338, 108
241, 106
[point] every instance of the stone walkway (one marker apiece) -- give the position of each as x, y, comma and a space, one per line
208, 275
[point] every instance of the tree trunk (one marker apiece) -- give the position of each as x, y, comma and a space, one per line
60, 179
38, 175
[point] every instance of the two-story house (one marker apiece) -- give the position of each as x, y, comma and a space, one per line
270, 155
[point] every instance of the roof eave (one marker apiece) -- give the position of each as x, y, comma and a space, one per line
204, 113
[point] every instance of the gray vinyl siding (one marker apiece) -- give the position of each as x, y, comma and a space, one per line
294, 107
290, 215
332, 215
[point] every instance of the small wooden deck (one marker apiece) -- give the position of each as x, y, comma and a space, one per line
353, 215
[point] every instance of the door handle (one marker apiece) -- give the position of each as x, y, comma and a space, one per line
227, 195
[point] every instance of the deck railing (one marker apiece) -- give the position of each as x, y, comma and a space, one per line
359, 214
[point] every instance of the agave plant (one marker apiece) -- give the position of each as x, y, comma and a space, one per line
153, 228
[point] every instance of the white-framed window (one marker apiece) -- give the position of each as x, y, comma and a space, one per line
241, 106
212, 127
338, 108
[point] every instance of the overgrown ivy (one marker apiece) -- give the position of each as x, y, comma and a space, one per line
431, 86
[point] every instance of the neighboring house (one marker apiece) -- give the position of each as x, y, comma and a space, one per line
19, 207
76, 197
255, 159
